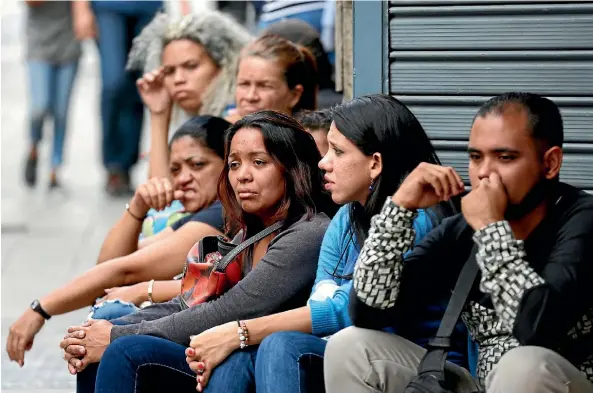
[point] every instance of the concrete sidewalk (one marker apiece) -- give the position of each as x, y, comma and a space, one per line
47, 238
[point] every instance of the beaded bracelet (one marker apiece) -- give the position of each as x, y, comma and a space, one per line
243, 334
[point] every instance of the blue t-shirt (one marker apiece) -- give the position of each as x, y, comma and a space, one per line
337, 258
212, 215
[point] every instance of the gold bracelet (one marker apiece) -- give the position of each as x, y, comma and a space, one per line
150, 286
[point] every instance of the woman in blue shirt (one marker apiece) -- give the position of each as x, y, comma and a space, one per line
375, 141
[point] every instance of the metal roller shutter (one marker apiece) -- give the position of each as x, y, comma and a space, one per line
445, 58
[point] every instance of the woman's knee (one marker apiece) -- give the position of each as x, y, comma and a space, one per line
281, 344
39, 111
121, 347
132, 351
112, 309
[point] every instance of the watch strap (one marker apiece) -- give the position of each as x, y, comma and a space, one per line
36, 306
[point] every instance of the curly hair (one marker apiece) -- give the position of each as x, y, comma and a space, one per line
221, 37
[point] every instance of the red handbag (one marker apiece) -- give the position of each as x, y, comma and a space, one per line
213, 266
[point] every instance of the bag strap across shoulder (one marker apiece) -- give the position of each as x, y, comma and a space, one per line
434, 360
224, 262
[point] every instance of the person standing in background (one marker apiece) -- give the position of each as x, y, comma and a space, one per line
52, 61
319, 14
114, 24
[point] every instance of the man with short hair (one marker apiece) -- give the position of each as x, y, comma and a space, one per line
317, 124
531, 311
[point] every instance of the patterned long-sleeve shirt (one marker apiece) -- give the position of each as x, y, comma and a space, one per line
533, 292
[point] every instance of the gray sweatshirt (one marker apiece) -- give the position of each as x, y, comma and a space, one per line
280, 281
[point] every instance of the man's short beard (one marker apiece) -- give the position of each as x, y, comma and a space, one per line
538, 193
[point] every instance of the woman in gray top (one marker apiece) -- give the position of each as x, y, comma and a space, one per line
271, 175
52, 60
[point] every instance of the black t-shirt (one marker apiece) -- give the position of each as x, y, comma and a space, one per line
212, 215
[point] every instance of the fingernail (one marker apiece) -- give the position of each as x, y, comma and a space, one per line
199, 387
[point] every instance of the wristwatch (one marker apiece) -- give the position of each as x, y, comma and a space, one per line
36, 306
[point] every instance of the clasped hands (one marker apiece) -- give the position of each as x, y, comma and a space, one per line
85, 344
429, 184
210, 348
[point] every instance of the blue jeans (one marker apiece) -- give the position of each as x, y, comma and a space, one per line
146, 364
290, 362
284, 362
121, 105
50, 86
112, 309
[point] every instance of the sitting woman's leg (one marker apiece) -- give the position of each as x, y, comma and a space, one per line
290, 362
236, 374
139, 364
112, 309
146, 364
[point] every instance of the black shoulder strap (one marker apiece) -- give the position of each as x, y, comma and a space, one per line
224, 262
434, 360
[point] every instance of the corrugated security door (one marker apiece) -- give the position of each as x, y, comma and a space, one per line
447, 57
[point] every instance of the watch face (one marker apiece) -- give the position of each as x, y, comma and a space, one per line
35, 304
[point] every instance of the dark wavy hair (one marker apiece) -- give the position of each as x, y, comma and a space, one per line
295, 151
206, 130
379, 123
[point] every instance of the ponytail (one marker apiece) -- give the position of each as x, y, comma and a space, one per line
309, 81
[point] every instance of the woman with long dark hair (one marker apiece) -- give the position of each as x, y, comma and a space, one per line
270, 176
195, 160
375, 141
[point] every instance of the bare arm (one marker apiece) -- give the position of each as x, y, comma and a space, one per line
156, 98
298, 320
165, 233
83, 20
122, 239
158, 162
162, 291
160, 261
83, 5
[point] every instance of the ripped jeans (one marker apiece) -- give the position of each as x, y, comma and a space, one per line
112, 309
